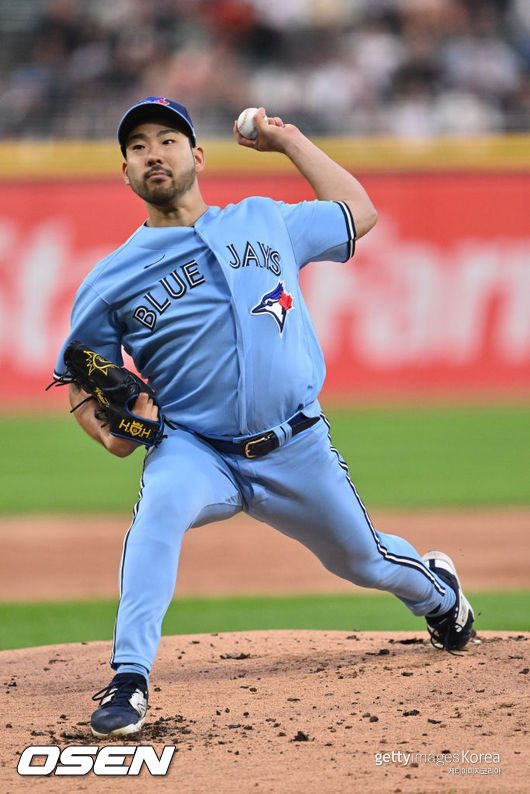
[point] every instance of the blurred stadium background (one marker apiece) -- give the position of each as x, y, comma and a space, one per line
426, 101
341, 67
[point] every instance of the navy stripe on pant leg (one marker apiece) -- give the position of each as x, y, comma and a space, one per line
408, 562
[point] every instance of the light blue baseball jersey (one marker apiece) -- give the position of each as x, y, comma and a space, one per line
213, 316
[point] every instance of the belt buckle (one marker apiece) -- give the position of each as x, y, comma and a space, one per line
254, 441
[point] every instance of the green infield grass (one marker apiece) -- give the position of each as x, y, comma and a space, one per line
420, 456
31, 624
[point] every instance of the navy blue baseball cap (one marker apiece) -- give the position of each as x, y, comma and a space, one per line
177, 115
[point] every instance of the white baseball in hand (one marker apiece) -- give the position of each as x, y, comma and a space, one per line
245, 123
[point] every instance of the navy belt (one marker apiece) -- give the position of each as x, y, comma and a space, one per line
257, 446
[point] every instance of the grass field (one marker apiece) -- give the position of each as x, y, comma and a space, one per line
400, 457
407, 457
28, 625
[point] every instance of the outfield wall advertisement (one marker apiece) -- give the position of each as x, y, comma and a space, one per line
436, 300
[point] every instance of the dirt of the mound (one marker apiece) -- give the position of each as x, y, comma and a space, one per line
288, 712
277, 712
78, 557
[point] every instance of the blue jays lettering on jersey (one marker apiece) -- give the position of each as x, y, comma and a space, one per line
213, 316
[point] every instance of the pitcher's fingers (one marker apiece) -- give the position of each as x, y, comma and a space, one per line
145, 407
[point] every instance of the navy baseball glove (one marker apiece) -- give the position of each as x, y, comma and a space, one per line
114, 389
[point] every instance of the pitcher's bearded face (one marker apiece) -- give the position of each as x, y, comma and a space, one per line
159, 186
160, 164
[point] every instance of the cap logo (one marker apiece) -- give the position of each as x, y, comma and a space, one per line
162, 101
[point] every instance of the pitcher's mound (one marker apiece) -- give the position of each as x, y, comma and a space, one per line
287, 712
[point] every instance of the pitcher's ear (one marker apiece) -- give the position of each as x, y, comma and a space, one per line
199, 157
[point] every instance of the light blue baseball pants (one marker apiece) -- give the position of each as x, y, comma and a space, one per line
302, 489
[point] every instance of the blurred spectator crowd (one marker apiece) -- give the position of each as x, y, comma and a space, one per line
70, 68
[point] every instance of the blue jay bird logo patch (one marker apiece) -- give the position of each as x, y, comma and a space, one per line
276, 303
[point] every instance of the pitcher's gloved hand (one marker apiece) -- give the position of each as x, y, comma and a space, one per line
115, 390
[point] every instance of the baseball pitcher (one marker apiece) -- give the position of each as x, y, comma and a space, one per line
207, 302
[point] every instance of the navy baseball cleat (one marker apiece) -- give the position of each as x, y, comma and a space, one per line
123, 706
453, 630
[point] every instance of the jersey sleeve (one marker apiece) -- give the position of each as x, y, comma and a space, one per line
92, 323
320, 230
